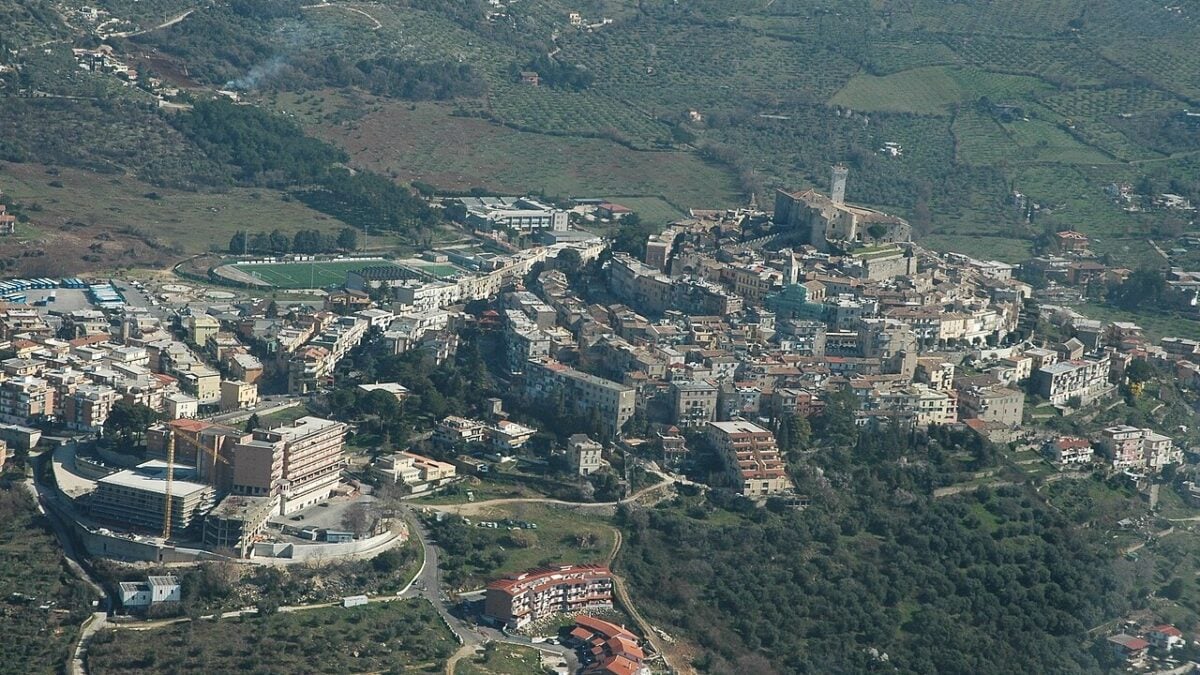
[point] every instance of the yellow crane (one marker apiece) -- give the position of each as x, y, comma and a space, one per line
194, 442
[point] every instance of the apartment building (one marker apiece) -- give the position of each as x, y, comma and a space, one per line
302, 462
1128, 447
752, 456
1069, 451
245, 367
695, 403
26, 400
1085, 379
88, 407
584, 455
992, 404
585, 394
200, 327
520, 599
454, 431
236, 395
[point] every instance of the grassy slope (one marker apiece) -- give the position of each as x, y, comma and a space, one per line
427, 143
189, 221
932, 90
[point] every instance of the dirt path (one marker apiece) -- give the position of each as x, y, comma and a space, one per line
166, 24
348, 8
474, 508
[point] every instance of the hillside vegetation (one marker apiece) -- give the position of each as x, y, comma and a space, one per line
1053, 99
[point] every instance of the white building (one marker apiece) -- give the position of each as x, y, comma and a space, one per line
155, 590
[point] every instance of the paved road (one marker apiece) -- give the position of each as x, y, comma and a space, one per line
427, 584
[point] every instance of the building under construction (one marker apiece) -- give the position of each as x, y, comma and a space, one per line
136, 497
258, 474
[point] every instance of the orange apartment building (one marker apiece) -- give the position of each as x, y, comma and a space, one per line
752, 456
528, 596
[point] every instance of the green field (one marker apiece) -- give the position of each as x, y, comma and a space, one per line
457, 153
472, 554
502, 659
318, 274
931, 91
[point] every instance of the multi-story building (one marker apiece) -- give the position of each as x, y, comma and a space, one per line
695, 402
180, 406
453, 432
585, 394
520, 599
137, 498
992, 404
1129, 447
1084, 379
237, 521
245, 367
236, 395
301, 462
522, 214
752, 456
412, 469
584, 455
200, 327
26, 400
1069, 450
88, 407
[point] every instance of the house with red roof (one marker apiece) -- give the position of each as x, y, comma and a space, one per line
1128, 648
1165, 637
606, 648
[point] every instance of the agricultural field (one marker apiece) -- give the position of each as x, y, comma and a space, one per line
312, 274
1093, 85
403, 636
110, 220
931, 91
501, 159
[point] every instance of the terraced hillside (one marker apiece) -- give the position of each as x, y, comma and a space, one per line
1053, 99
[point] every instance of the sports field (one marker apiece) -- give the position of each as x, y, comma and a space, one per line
315, 274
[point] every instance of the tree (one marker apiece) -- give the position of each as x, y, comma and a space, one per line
237, 243
253, 423
279, 242
1139, 371
127, 423
347, 239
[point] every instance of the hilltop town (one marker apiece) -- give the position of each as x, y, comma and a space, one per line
603, 338
223, 417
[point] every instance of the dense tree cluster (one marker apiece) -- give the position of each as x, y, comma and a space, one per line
369, 202
1144, 288
303, 241
126, 425
990, 582
266, 149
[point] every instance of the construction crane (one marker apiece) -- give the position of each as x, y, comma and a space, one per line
194, 442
